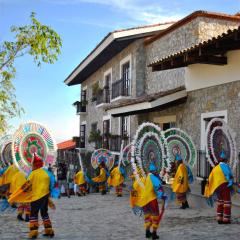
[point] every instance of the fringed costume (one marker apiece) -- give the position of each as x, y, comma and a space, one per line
116, 179
220, 183
180, 184
23, 208
146, 197
36, 191
81, 182
101, 179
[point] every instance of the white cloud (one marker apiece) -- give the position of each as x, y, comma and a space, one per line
138, 11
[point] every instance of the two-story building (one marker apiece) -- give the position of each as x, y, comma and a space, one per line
113, 72
182, 75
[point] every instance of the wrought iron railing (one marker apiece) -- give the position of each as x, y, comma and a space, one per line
103, 96
81, 108
121, 88
116, 141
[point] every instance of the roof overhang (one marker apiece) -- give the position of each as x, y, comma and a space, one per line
144, 107
208, 52
111, 45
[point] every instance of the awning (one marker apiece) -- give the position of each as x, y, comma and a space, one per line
148, 103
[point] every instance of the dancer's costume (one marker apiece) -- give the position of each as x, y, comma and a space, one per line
36, 191
220, 183
116, 179
81, 182
23, 208
181, 182
146, 197
101, 179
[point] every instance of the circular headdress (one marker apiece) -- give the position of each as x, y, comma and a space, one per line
102, 155
220, 137
6, 150
31, 138
126, 155
179, 142
149, 146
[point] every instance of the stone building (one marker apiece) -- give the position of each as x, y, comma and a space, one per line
183, 75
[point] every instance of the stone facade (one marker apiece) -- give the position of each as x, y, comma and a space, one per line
199, 30
144, 81
95, 113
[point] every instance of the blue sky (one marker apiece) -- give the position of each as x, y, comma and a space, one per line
81, 24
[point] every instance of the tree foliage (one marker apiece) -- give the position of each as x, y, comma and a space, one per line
39, 41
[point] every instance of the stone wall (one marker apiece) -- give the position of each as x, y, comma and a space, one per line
95, 113
194, 32
218, 98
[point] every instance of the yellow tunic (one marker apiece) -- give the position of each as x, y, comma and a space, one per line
215, 179
136, 192
79, 178
102, 177
18, 180
148, 192
9, 174
180, 182
38, 184
116, 178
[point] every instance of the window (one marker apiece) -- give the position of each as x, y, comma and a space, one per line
106, 132
165, 122
84, 95
107, 84
82, 136
124, 126
94, 127
126, 78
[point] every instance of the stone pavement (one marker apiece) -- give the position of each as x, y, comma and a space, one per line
110, 218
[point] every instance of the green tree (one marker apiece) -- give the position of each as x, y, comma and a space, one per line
39, 41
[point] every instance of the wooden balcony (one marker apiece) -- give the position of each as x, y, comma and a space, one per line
121, 88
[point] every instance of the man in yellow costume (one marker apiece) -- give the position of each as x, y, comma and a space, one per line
116, 179
220, 182
181, 182
101, 179
79, 179
145, 195
36, 191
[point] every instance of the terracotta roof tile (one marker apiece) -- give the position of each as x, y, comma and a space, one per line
69, 144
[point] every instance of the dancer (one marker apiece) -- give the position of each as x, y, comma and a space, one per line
36, 191
23, 208
220, 182
146, 197
181, 182
79, 179
101, 179
116, 179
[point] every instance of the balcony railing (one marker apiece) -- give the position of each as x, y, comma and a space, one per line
103, 96
81, 108
116, 141
121, 88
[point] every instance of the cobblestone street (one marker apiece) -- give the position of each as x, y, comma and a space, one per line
107, 217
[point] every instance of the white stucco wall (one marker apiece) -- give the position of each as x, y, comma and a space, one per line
200, 76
